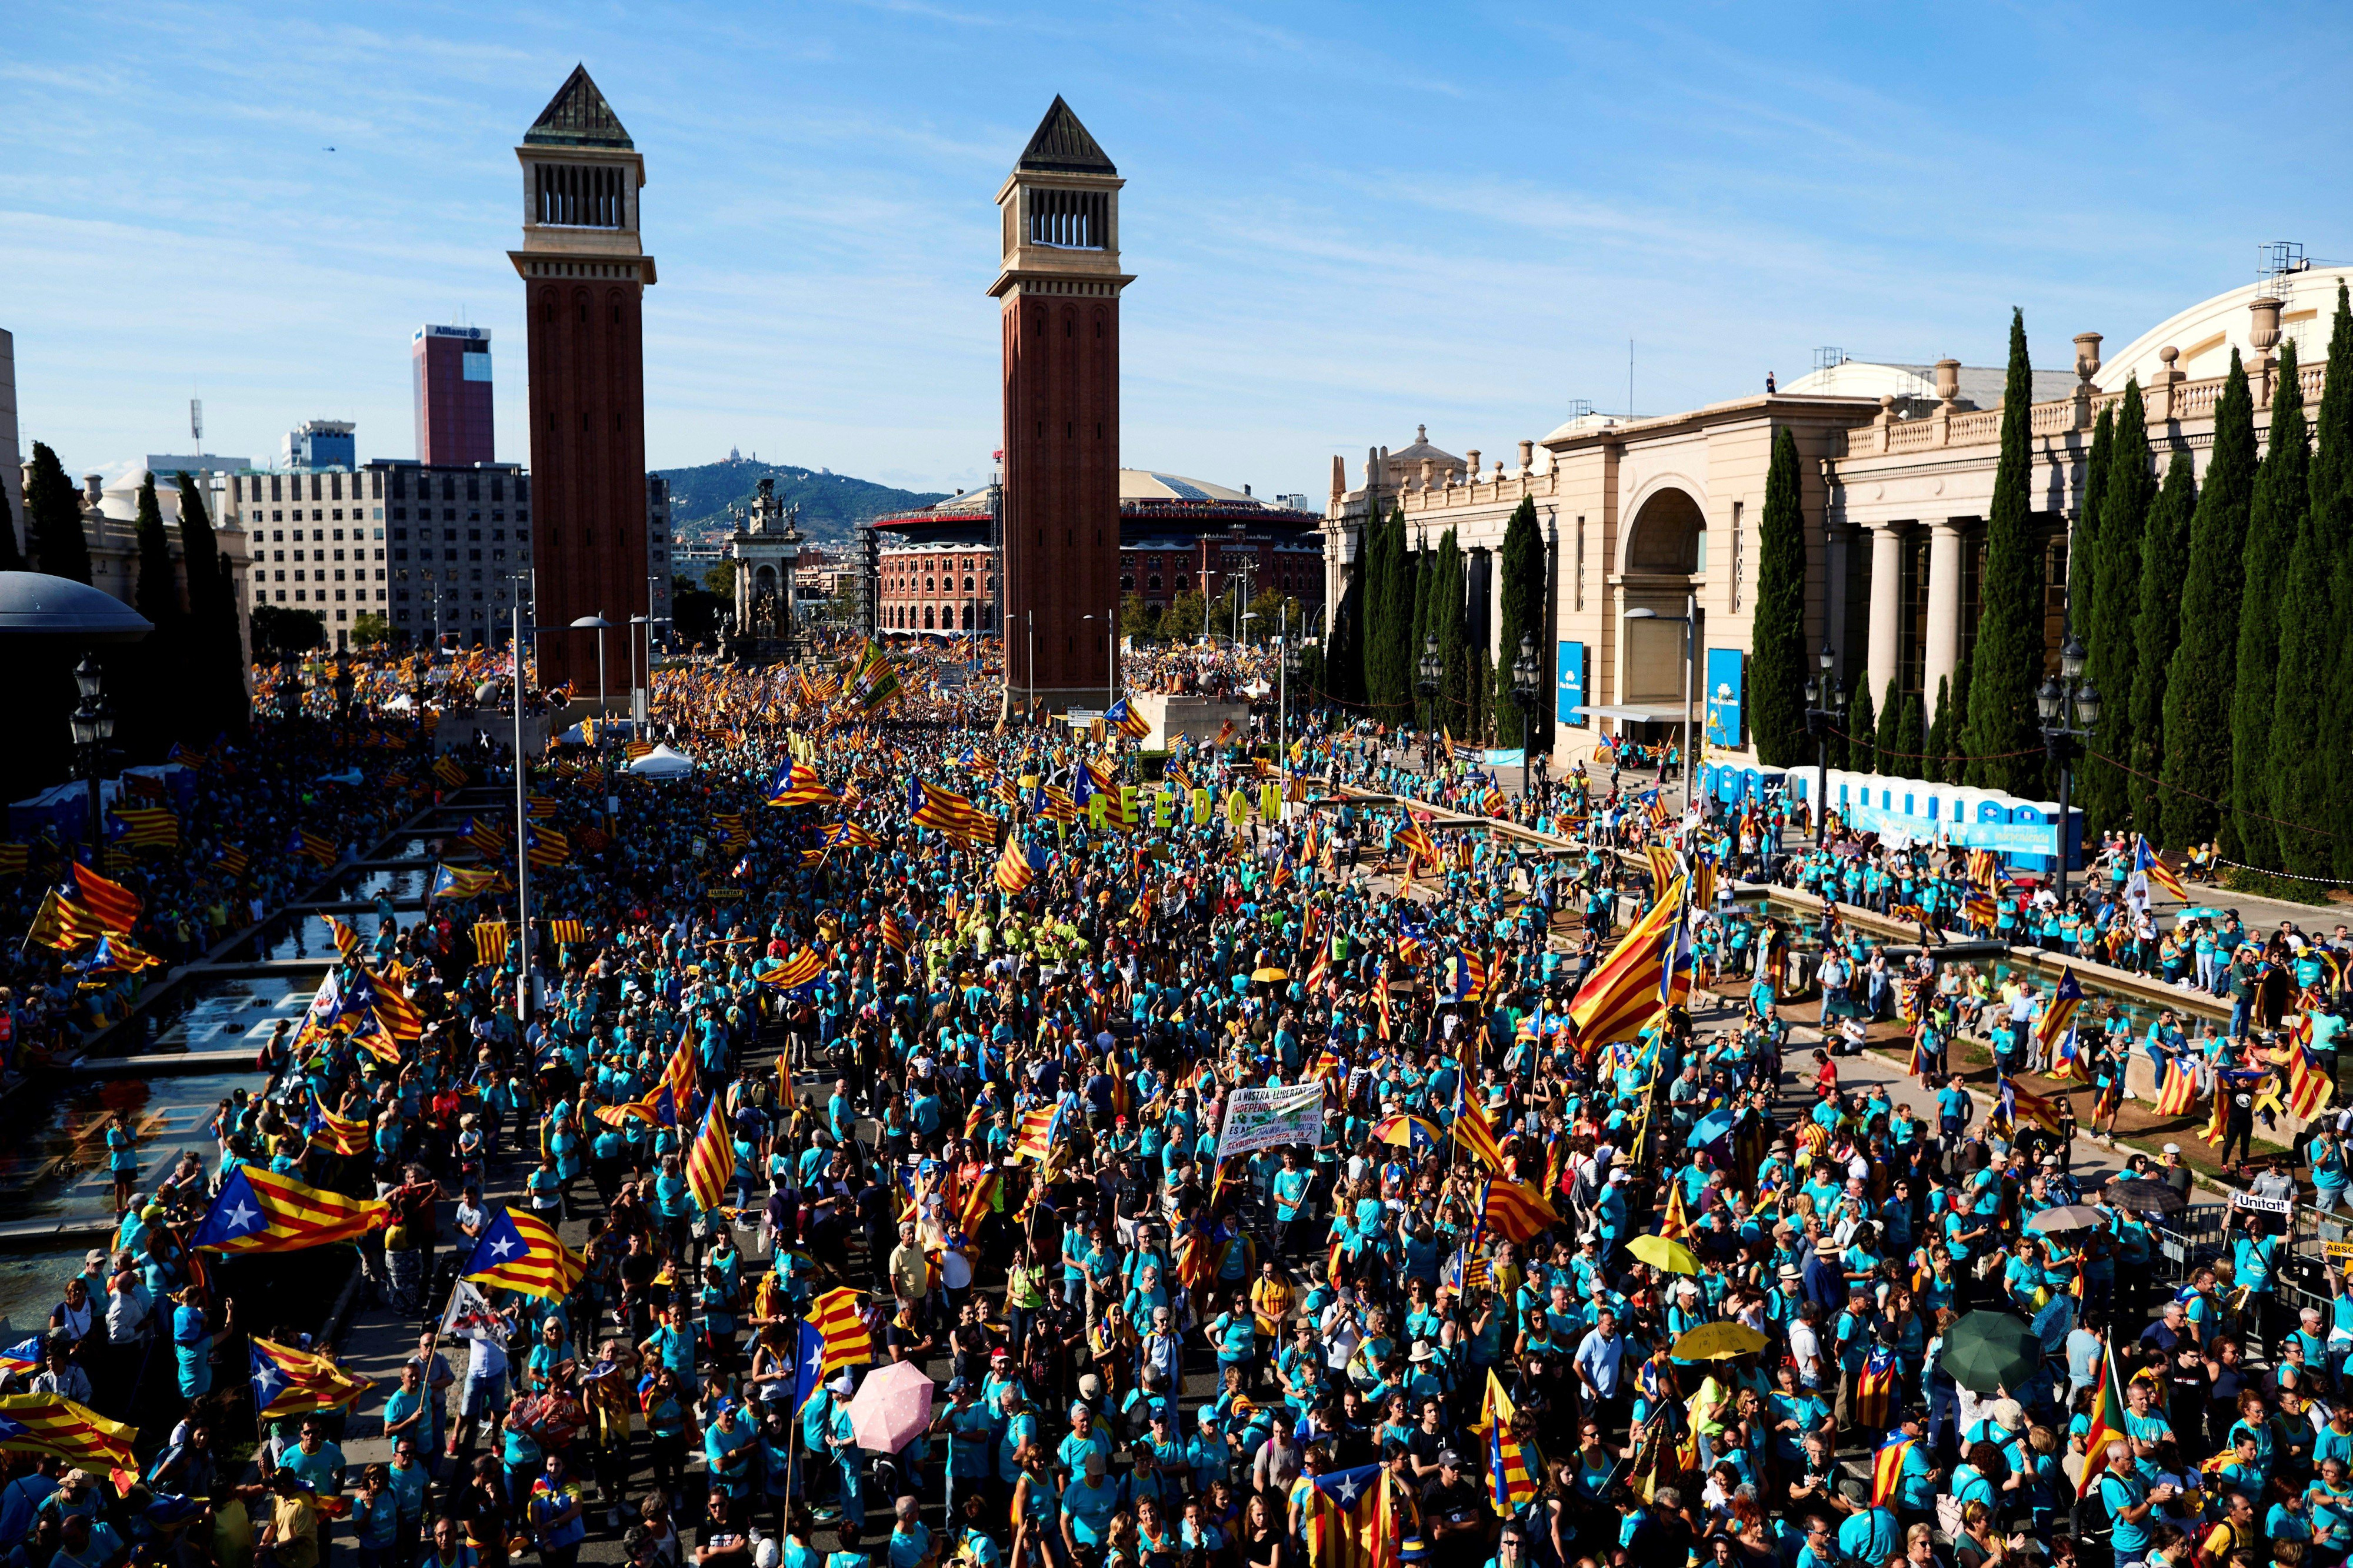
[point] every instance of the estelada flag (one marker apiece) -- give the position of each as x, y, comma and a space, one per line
287, 1382
1887, 1469
2060, 1010
261, 1211
2146, 861
896, 934
2179, 1092
145, 827
63, 923
521, 1252
798, 970
347, 940
1674, 1220
1127, 720
52, 1424
1474, 1131
1350, 1523
837, 1318
1514, 1464
797, 783
1516, 1211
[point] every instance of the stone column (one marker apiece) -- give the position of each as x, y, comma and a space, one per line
1943, 649
1886, 604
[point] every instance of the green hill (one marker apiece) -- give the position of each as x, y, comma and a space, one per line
829, 503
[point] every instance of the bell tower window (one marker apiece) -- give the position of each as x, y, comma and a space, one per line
1069, 220
578, 195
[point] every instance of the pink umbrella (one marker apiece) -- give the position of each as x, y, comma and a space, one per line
891, 1406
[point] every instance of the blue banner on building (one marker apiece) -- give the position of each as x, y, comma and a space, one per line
1726, 698
1568, 687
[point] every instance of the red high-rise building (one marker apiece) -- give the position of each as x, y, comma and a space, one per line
584, 276
1059, 283
451, 367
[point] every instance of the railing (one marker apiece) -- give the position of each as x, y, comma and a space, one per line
2175, 401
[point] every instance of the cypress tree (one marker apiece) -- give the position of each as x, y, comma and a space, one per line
2002, 716
1520, 610
2331, 484
2084, 540
216, 648
1890, 735
2116, 605
153, 668
1835, 750
1388, 611
1417, 640
12, 555
2304, 726
2157, 629
1344, 645
1452, 710
1911, 740
1955, 770
1861, 730
1939, 743
2279, 493
2199, 686
53, 519
1780, 664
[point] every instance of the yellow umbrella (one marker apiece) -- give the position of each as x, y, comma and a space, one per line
1269, 975
1718, 1340
1660, 1253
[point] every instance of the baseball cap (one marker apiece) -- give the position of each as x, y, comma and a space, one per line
2171, 1149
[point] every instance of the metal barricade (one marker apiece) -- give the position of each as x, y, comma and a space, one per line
2187, 1239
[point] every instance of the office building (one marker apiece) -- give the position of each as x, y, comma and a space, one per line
449, 368
318, 445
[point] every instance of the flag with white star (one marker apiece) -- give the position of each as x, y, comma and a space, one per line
521, 1252
1350, 1524
287, 1382
261, 1211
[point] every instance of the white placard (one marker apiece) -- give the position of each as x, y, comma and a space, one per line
1264, 1118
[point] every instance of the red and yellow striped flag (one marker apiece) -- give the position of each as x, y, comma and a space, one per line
836, 1316
521, 1251
52, 1424
711, 1163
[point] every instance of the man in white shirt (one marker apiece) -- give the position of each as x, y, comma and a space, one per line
1805, 1346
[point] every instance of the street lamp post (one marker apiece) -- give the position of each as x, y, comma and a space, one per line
1432, 668
92, 726
1288, 667
344, 682
1819, 719
1689, 619
2066, 702
1524, 693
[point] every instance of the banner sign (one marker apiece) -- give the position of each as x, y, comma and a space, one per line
2259, 1206
1264, 1118
2006, 837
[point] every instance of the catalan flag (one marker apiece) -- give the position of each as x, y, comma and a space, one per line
395, 1011
711, 1162
1014, 872
1876, 1390
63, 922
658, 1108
1475, 1132
1125, 719
490, 941
449, 882
1350, 1520
2309, 1090
320, 847
26, 1356
523, 1252
2060, 1010
144, 827
1417, 845
1516, 1211
116, 906
114, 954
52, 1424
838, 834
2178, 1091
347, 940
928, 805
1675, 1219
345, 1135
1034, 1140
484, 834
1980, 909
186, 756
2109, 1423
1055, 804
1514, 1464
450, 772
978, 1202
1623, 994
1887, 1469
841, 1323
261, 1211
804, 965
2039, 1109
548, 847
873, 682
2148, 863
797, 783
896, 934
287, 1382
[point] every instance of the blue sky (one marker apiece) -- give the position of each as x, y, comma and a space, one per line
1344, 220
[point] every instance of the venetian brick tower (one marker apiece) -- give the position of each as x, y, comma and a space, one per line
1060, 285
584, 276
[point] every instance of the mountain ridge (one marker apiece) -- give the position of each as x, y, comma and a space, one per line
701, 495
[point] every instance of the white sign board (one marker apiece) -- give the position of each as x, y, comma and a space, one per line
1264, 1118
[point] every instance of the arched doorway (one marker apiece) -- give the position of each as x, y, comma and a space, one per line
1666, 548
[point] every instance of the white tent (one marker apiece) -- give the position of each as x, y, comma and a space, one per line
661, 762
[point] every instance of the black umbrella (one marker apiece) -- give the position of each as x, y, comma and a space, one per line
2147, 1197
1991, 1350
